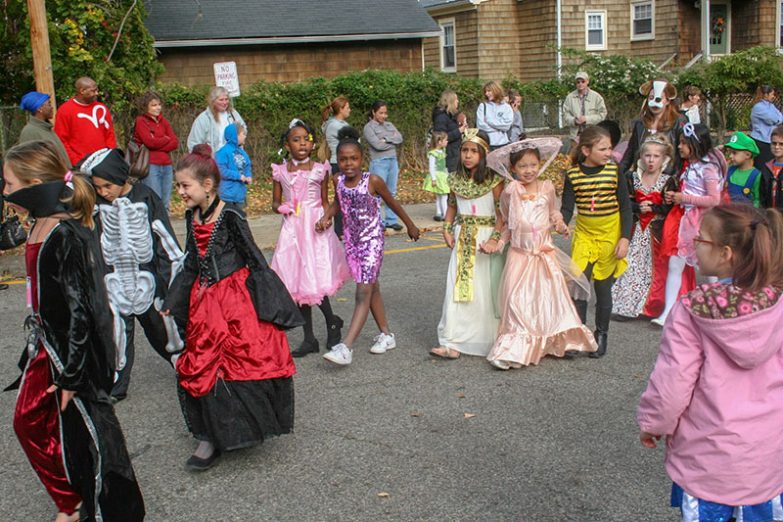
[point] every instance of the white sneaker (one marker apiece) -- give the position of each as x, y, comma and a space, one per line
339, 354
383, 343
500, 365
658, 321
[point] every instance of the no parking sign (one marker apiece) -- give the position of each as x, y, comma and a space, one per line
226, 76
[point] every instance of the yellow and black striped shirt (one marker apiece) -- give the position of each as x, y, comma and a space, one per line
597, 192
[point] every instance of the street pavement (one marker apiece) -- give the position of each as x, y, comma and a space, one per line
398, 436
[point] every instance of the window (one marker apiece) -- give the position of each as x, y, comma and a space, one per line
595, 30
448, 46
780, 24
642, 21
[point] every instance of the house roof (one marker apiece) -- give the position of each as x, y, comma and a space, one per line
440, 4
191, 23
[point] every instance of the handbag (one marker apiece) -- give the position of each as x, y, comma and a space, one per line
137, 156
12, 233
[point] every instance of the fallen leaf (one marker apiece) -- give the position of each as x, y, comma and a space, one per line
470, 415
383, 494
460, 395
342, 299
415, 414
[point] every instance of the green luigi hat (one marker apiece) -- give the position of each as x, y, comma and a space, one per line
741, 141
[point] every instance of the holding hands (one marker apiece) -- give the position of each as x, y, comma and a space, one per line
673, 198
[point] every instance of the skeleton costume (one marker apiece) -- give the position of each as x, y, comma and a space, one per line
140, 247
79, 454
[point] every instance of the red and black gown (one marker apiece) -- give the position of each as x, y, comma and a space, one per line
235, 374
79, 453
37, 413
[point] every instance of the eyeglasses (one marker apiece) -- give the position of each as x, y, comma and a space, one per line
699, 239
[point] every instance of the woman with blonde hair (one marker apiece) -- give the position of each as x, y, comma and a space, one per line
63, 417
444, 119
494, 116
210, 125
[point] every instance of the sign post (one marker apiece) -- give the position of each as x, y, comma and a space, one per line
226, 76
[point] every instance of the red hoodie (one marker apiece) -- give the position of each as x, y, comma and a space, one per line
157, 135
83, 129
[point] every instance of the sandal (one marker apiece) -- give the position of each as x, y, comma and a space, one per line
445, 353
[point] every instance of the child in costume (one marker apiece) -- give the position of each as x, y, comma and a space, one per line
771, 182
538, 317
142, 251
743, 179
236, 170
64, 419
235, 374
359, 196
437, 180
701, 186
647, 182
717, 385
603, 223
311, 265
472, 229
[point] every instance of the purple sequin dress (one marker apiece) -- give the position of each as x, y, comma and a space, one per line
363, 229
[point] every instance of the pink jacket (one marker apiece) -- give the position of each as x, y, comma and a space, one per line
716, 392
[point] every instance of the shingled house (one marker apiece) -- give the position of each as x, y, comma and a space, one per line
497, 38
287, 41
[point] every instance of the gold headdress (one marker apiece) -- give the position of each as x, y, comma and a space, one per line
472, 136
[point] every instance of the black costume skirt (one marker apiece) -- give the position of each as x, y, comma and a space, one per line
239, 414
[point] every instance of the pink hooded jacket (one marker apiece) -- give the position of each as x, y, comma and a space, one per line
716, 392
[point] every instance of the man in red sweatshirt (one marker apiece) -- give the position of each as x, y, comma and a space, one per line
83, 123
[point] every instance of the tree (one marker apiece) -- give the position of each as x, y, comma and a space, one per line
104, 39
739, 73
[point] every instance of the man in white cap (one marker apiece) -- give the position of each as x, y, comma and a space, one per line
582, 107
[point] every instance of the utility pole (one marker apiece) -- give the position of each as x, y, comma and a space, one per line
39, 41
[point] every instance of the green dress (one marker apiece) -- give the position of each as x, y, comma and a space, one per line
437, 157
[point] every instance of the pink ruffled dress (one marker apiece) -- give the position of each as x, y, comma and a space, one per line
539, 281
312, 265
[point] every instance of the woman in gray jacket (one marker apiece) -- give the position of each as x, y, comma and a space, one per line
209, 126
382, 139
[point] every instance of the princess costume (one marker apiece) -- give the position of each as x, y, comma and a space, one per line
538, 315
312, 265
363, 229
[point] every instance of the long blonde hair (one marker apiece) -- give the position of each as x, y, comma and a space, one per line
215, 93
39, 160
449, 102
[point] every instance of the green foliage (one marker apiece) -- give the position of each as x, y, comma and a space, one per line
81, 36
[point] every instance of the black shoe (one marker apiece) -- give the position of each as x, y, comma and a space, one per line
622, 318
117, 398
3, 286
305, 348
396, 227
570, 354
195, 463
335, 334
438, 218
600, 338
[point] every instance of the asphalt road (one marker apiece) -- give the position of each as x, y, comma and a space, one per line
398, 436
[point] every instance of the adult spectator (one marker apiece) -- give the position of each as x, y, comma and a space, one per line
83, 123
691, 99
155, 132
494, 116
582, 107
383, 138
333, 118
659, 116
209, 126
517, 130
39, 125
444, 119
764, 116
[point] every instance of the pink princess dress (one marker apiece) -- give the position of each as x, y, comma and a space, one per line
538, 315
312, 265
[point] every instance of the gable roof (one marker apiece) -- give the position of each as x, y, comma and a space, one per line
181, 23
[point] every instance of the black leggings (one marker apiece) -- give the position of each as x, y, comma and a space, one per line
603, 301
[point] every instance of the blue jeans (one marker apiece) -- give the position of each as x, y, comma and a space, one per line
160, 180
388, 170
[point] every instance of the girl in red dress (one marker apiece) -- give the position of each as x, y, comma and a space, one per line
235, 374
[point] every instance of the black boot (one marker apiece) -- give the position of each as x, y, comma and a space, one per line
334, 331
307, 346
581, 309
600, 338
